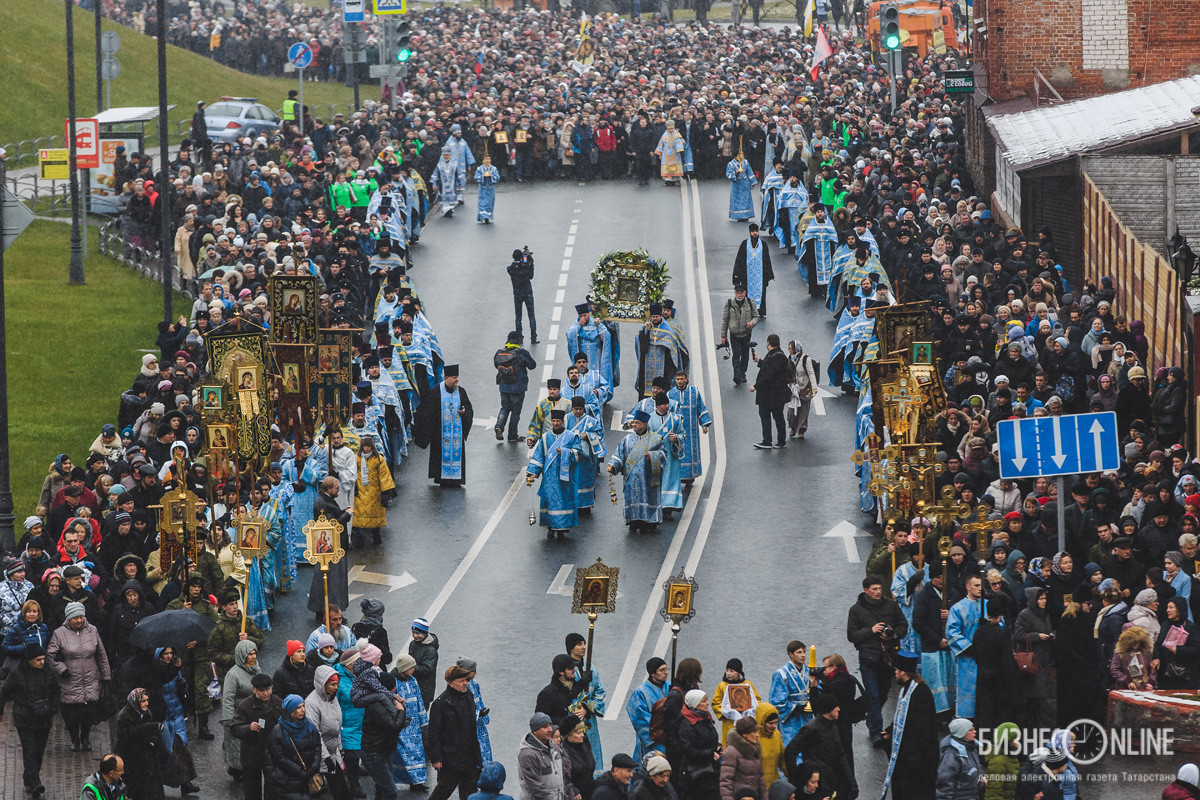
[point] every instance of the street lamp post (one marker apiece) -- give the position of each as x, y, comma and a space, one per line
76, 270
1183, 261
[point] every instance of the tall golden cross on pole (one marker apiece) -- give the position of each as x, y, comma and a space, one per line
982, 526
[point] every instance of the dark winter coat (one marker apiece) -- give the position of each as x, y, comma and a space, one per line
959, 772
254, 743
771, 388
34, 694
741, 765
452, 736
426, 655
291, 760
1031, 622
382, 723
607, 787
580, 765
916, 764
698, 742
138, 746
819, 744
863, 616
290, 679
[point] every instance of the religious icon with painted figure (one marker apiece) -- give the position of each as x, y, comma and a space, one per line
213, 398
922, 352
595, 589
219, 436
739, 696
250, 536
322, 537
329, 358
291, 379
628, 290
596, 592
247, 379
679, 599
178, 511
294, 302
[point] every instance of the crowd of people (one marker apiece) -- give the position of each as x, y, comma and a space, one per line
875, 206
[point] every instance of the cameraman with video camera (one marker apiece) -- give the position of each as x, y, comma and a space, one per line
875, 626
737, 323
520, 271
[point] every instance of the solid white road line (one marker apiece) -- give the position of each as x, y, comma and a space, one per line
699, 304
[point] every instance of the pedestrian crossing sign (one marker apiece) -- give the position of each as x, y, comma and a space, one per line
389, 6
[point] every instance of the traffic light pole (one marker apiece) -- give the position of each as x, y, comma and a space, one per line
894, 63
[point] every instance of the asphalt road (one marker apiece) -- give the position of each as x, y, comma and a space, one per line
754, 532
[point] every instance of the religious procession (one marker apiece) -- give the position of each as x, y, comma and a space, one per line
177, 607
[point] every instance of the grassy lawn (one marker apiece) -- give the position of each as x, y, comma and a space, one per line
72, 350
35, 101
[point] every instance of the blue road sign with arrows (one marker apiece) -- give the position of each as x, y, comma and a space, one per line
300, 55
1066, 445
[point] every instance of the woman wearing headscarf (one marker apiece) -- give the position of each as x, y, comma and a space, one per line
1034, 633
1177, 648
293, 751
235, 689
60, 471
138, 740
408, 762
169, 701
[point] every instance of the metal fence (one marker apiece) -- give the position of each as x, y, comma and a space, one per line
25, 152
115, 245
44, 198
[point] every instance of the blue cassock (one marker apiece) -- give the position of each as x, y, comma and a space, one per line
672, 475
771, 185
741, 201
481, 723
864, 426
820, 235
911, 643
789, 694
585, 389
268, 562
395, 223
794, 198
594, 701
638, 708
841, 362
961, 625
448, 179
408, 759
553, 457
302, 505
281, 499
640, 459
861, 337
593, 341
460, 153
600, 390
414, 207
591, 440
695, 416
487, 178
754, 275
256, 596
386, 395
452, 434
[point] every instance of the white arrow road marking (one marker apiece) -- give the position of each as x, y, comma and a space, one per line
393, 582
1096, 430
1059, 456
847, 533
1019, 460
559, 584
818, 401
485, 422
618, 420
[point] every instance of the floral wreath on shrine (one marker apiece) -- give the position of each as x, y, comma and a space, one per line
625, 282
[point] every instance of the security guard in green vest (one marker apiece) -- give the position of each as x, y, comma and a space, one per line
291, 107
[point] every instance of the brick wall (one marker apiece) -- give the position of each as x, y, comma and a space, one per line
1082, 48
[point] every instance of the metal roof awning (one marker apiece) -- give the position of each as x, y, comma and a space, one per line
1048, 134
128, 115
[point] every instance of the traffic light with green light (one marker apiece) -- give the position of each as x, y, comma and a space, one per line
404, 34
889, 26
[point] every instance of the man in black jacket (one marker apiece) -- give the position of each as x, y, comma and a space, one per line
252, 721
383, 719
614, 784
452, 746
874, 625
820, 746
556, 697
772, 393
520, 272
